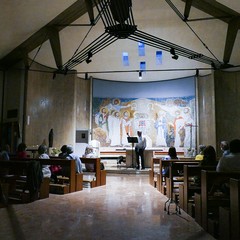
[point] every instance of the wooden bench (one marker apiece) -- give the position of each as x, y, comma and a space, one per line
212, 198
161, 179
175, 178
99, 175
18, 187
191, 185
235, 208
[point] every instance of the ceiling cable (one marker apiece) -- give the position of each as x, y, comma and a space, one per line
184, 19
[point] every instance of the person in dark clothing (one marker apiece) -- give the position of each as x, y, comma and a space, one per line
209, 157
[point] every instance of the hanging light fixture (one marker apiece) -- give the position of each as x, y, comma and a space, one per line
140, 75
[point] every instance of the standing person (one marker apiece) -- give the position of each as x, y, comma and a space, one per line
42, 154
230, 162
224, 145
139, 149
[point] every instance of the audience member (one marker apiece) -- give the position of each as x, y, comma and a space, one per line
42, 154
21, 151
199, 156
230, 162
70, 155
172, 154
5, 153
209, 157
224, 145
63, 152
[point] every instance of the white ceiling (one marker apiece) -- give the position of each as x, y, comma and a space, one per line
20, 19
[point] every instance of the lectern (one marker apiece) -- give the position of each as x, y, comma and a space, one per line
132, 140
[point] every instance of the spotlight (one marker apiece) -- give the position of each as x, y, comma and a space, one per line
88, 60
175, 57
172, 51
140, 75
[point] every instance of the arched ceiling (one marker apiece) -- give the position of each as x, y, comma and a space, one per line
50, 32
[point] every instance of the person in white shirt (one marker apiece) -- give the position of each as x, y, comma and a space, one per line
139, 150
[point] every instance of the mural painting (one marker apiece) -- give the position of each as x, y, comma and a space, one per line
164, 121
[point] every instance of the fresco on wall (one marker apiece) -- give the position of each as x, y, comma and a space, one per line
164, 111
164, 121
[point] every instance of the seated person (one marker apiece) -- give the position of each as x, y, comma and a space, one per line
42, 154
70, 155
172, 154
230, 162
224, 145
21, 151
199, 156
209, 157
5, 153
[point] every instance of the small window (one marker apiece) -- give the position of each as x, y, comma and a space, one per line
158, 57
125, 60
143, 66
141, 49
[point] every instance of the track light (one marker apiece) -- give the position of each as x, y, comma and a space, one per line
140, 75
172, 51
86, 76
88, 60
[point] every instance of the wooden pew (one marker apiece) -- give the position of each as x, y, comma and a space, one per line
161, 180
17, 182
212, 198
235, 208
176, 168
100, 175
153, 171
190, 186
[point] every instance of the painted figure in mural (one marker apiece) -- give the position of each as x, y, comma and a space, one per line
126, 127
115, 137
170, 134
161, 126
103, 120
179, 129
189, 122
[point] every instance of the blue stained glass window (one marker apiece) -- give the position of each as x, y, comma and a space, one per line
142, 66
158, 57
125, 59
141, 49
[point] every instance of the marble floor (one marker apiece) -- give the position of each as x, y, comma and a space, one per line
128, 207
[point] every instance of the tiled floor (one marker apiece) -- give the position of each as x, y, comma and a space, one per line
126, 208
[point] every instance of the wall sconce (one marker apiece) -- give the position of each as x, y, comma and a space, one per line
172, 51
140, 75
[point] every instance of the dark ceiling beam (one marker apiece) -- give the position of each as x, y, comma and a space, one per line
187, 8
64, 19
215, 9
89, 6
54, 39
233, 27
